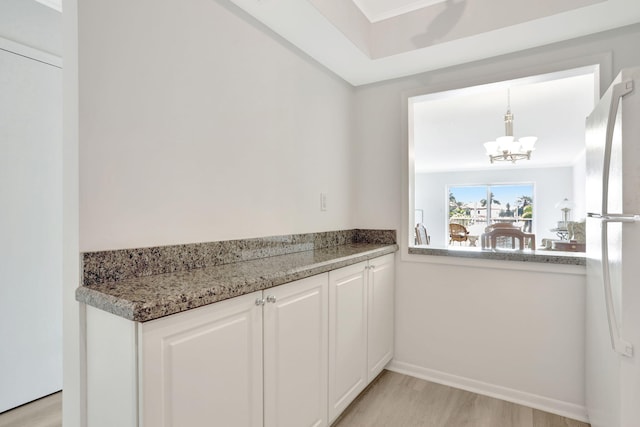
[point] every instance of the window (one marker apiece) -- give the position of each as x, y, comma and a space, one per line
477, 206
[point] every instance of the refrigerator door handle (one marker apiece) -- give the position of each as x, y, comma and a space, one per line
619, 90
615, 217
621, 346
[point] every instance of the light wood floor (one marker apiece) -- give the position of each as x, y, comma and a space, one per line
393, 400
401, 401
45, 412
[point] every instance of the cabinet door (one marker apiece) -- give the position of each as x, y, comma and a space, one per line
204, 367
380, 313
295, 353
347, 336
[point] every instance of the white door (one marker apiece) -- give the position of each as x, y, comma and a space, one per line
295, 353
381, 279
347, 336
203, 367
30, 229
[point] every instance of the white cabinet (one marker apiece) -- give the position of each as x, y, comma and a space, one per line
203, 367
361, 313
380, 309
207, 364
347, 336
295, 354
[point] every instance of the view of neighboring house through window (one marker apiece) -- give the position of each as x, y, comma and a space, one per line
477, 206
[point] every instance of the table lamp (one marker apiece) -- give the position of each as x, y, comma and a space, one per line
565, 206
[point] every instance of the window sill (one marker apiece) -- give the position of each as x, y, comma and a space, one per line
540, 256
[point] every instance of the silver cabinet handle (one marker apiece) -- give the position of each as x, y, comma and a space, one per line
271, 299
259, 301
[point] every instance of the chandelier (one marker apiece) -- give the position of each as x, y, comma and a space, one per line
507, 148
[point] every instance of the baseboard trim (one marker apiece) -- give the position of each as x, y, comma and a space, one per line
558, 407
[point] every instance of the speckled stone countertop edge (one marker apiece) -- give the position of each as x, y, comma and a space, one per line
526, 256
141, 310
105, 302
123, 264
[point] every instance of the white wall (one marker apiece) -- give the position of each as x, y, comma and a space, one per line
426, 287
551, 185
201, 125
579, 195
514, 334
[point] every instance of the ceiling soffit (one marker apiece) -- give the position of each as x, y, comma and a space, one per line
437, 23
456, 19
377, 10
337, 33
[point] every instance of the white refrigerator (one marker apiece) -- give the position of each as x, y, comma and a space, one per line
613, 256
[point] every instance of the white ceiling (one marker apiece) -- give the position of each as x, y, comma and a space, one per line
377, 10
450, 127
53, 4
349, 40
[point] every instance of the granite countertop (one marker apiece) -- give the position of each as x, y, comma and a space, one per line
541, 256
150, 297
